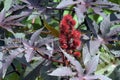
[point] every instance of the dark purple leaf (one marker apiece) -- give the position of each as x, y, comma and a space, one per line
35, 36
29, 51
66, 3
89, 22
113, 17
16, 8
74, 62
105, 26
44, 41
34, 71
33, 3
108, 5
14, 20
16, 17
8, 60
48, 50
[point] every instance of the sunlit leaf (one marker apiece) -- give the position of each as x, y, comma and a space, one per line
53, 31
7, 4
62, 71
66, 3
86, 54
92, 65
93, 46
80, 9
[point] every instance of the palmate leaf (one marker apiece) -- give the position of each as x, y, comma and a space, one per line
8, 22
33, 71
48, 49
2, 15
74, 62
29, 51
62, 71
66, 3
90, 25
105, 26
86, 54
46, 40
92, 65
16, 8
35, 42
17, 17
107, 4
33, 3
94, 45
8, 60
35, 36
99, 11
80, 9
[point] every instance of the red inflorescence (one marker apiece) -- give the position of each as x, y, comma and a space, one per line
77, 54
69, 37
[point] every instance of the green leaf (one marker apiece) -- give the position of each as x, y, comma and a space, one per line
7, 4
52, 30
12, 76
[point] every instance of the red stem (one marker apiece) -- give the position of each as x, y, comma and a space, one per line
49, 58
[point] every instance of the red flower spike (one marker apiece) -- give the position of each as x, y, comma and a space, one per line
76, 43
72, 22
64, 46
69, 20
69, 37
75, 34
67, 17
77, 54
64, 28
62, 39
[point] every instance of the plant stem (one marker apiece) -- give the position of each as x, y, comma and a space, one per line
46, 57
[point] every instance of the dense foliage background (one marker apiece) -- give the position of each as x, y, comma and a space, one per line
59, 39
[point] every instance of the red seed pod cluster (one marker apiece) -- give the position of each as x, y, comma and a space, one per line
69, 37
77, 54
